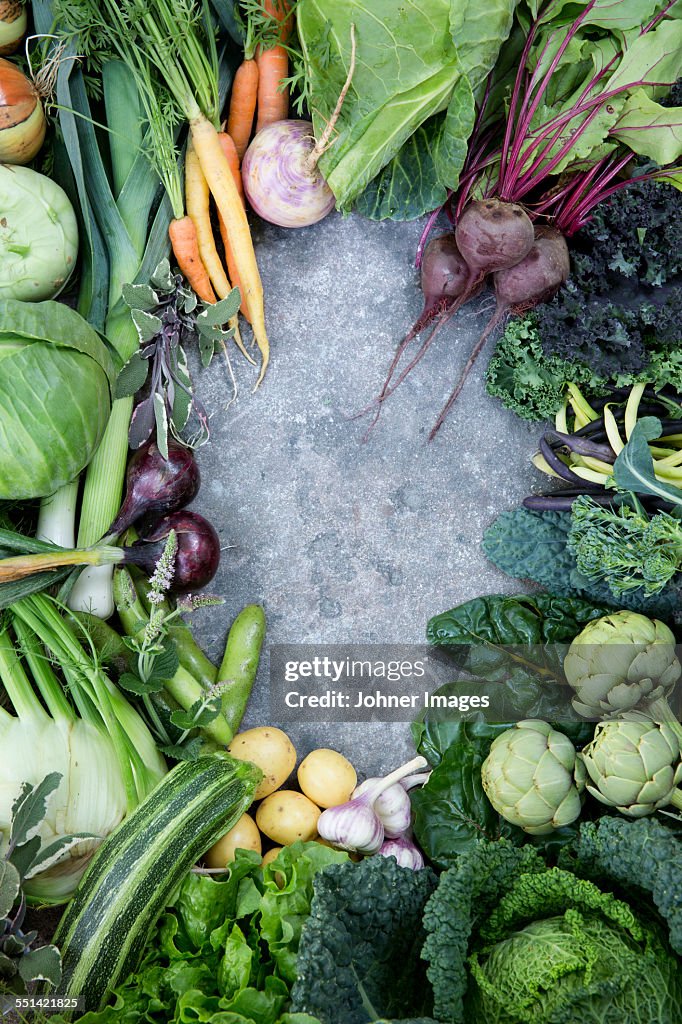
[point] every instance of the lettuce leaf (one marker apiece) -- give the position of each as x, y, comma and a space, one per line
222, 952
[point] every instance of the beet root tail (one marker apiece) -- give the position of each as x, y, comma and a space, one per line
497, 317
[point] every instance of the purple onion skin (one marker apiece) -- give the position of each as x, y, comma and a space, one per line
280, 184
198, 554
156, 486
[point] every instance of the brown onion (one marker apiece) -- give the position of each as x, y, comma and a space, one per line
12, 25
22, 121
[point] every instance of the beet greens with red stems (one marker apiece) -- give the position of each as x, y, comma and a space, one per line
556, 131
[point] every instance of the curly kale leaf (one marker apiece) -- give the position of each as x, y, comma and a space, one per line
466, 895
359, 953
637, 234
607, 336
532, 545
642, 856
530, 379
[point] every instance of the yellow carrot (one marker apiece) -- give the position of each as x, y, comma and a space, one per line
221, 184
197, 198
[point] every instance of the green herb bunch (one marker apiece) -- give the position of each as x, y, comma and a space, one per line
167, 314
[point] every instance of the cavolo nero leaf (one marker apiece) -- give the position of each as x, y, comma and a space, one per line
532, 545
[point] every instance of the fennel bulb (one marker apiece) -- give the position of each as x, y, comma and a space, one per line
93, 737
91, 797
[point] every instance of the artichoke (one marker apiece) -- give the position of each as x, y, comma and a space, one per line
533, 778
634, 765
621, 662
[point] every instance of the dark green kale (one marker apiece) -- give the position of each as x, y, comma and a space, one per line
608, 336
532, 382
637, 235
359, 956
531, 545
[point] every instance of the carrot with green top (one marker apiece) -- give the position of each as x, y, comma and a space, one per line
273, 69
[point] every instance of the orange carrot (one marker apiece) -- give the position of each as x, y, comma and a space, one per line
221, 183
273, 67
273, 105
183, 238
281, 10
243, 105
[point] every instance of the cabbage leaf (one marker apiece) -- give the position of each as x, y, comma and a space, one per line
55, 396
413, 62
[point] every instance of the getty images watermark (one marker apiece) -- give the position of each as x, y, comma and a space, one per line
347, 683
398, 683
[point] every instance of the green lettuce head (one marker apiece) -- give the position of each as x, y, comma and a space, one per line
56, 378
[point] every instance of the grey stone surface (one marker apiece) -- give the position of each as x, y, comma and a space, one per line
344, 541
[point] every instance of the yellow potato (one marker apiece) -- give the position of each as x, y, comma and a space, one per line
271, 855
242, 836
286, 816
327, 777
270, 749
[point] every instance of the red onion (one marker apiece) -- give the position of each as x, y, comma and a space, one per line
156, 486
198, 554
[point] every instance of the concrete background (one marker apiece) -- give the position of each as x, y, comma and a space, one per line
344, 541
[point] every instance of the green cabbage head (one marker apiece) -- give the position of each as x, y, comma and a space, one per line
56, 377
588, 961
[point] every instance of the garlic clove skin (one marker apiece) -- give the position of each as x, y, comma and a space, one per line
405, 852
392, 807
352, 826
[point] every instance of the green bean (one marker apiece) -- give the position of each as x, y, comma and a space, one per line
237, 673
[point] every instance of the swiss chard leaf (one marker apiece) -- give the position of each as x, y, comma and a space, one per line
452, 812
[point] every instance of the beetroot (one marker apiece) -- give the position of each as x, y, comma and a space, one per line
444, 276
538, 277
493, 235
535, 279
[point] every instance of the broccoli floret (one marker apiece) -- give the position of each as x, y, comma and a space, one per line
359, 954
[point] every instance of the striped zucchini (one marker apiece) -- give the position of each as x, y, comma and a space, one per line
135, 871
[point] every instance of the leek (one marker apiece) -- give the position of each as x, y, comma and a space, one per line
81, 727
